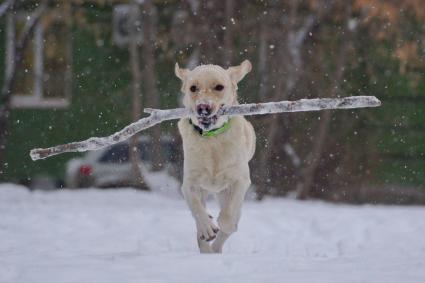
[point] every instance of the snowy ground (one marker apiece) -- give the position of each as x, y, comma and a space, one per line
128, 236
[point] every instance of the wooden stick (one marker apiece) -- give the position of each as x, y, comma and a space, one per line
157, 116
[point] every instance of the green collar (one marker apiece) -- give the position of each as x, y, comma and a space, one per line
213, 132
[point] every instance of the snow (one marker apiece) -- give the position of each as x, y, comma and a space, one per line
132, 236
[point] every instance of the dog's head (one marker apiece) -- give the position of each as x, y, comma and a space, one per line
209, 87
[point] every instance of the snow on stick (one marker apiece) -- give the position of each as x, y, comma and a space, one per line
157, 116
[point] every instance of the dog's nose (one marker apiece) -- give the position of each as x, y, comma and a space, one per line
204, 109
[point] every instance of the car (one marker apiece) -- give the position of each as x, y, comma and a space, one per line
111, 167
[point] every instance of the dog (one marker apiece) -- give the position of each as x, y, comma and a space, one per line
216, 149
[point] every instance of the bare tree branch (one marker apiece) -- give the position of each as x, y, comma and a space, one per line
5, 7
30, 25
32, 21
157, 116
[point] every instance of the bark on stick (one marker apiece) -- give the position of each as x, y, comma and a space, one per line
157, 116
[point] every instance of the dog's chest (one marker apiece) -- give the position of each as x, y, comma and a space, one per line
215, 168
214, 155
213, 162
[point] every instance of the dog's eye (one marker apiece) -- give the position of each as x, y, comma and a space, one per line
193, 88
219, 87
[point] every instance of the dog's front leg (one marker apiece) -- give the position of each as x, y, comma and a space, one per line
231, 201
206, 230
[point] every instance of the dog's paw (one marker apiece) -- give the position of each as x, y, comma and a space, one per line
207, 230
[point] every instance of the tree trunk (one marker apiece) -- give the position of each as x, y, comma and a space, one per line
309, 171
228, 33
18, 47
289, 66
151, 92
263, 62
4, 117
265, 159
134, 150
206, 27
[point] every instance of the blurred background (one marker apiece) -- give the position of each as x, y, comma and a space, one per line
74, 69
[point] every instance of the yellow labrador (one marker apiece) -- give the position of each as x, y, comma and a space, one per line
217, 150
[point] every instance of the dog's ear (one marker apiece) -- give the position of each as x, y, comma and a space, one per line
237, 73
180, 73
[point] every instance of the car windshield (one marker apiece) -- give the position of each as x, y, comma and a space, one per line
116, 154
119, 153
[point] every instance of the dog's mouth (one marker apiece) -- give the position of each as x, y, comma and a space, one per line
207, 122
